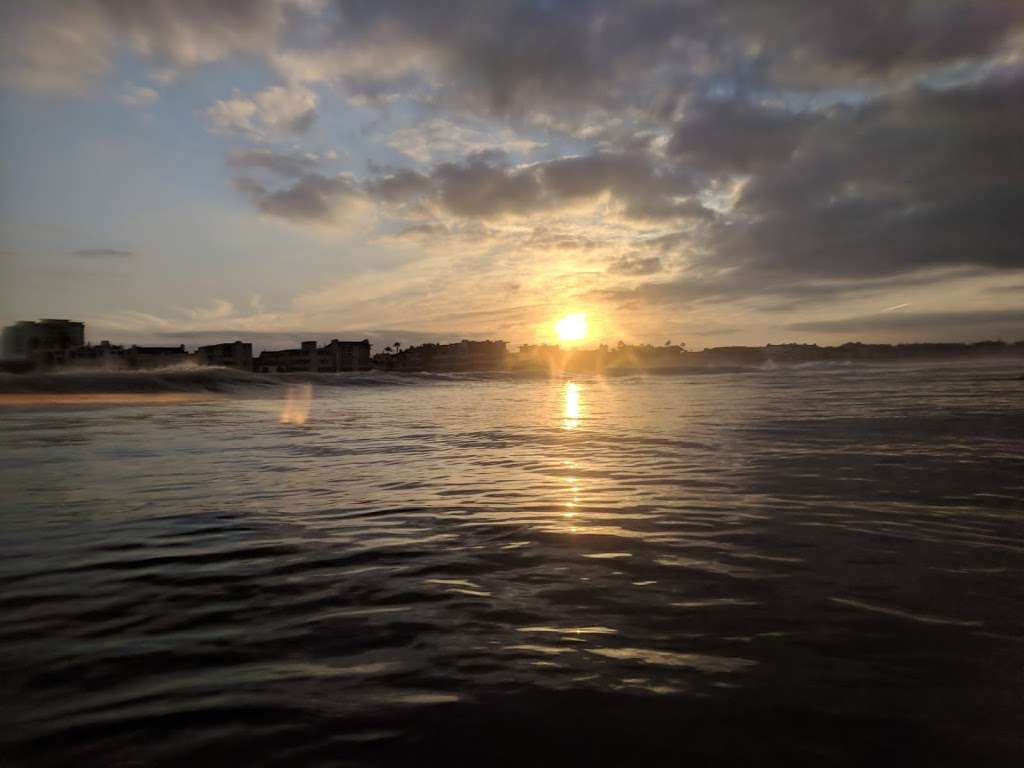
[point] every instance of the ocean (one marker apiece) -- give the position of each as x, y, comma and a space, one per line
823, 564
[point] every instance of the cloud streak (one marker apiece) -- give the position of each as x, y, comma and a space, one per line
102, 252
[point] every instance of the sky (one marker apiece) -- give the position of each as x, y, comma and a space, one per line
712, 172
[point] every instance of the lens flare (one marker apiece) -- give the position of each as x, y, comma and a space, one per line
296, 404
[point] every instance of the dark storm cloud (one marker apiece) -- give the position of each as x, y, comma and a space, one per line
1009, 321
285, 164
101, 252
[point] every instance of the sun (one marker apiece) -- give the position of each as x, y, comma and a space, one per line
572, 327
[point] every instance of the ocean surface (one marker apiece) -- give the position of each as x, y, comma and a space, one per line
822, 564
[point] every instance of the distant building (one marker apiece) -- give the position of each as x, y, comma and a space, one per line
235, 354
156, 357
331, 358
103, 355
43, 342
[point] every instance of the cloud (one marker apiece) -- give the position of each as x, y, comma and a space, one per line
278, 110
138, 95
1007, 321
439, 139
284, 164
738, 137
510, 57
424, 230
398, 187
769, 290
635, 264
517, 58
1011, 288
480, 188
924, 179
311, 198
64, 45
484, 186
99, 252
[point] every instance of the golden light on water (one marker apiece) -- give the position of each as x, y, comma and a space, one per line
572, 327
571, 417
296, 404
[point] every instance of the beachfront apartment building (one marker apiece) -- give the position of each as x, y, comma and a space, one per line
42, 341
334, 357
231, 354
155, 357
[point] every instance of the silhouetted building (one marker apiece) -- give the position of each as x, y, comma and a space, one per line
232, 354
331, 358
156, 357
42, 342
103, 355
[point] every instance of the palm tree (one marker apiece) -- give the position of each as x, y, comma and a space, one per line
387, 350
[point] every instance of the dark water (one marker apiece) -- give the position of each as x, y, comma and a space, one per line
825, 565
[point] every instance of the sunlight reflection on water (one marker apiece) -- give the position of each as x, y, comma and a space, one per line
571, 417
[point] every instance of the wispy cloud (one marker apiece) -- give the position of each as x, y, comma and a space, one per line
137, 95
278, 110
102, 252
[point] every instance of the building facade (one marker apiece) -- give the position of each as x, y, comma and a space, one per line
42, 341
335, 357
232, 354
155, 357
103, 355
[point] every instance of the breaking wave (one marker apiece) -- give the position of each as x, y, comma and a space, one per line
193, 380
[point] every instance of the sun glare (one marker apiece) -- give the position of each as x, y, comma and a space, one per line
572, 327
